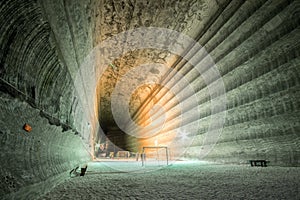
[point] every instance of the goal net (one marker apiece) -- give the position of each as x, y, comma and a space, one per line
155, 156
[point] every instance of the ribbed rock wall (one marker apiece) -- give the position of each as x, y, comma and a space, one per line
255, 45
257, 54
31, 68
33, 162
36, 88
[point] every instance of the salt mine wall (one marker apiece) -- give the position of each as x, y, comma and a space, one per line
259, 64
254, 45
36, 88
34, 161
256, 50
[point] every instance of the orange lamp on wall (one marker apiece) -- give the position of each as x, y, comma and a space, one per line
27, 127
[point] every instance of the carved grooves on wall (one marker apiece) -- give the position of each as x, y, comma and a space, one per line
257, 53
30, 68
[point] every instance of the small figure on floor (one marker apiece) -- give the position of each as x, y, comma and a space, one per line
83, 170
74, 173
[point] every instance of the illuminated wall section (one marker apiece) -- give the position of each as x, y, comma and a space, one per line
255, 49
48, 80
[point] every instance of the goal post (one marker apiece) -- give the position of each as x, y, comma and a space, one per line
156, 152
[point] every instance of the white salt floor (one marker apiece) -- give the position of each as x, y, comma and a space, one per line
181, 180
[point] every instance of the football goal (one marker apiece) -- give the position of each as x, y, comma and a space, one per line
155, 155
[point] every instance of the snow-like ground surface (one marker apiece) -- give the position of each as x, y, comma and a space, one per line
179, 180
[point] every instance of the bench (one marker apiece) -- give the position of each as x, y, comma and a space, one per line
262, 163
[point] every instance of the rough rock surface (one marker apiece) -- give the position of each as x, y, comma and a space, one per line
254, 45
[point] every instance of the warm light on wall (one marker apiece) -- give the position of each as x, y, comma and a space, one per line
27, 127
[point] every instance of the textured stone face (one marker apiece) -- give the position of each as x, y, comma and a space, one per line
254, 45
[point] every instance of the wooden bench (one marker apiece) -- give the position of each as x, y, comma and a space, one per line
262, 163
